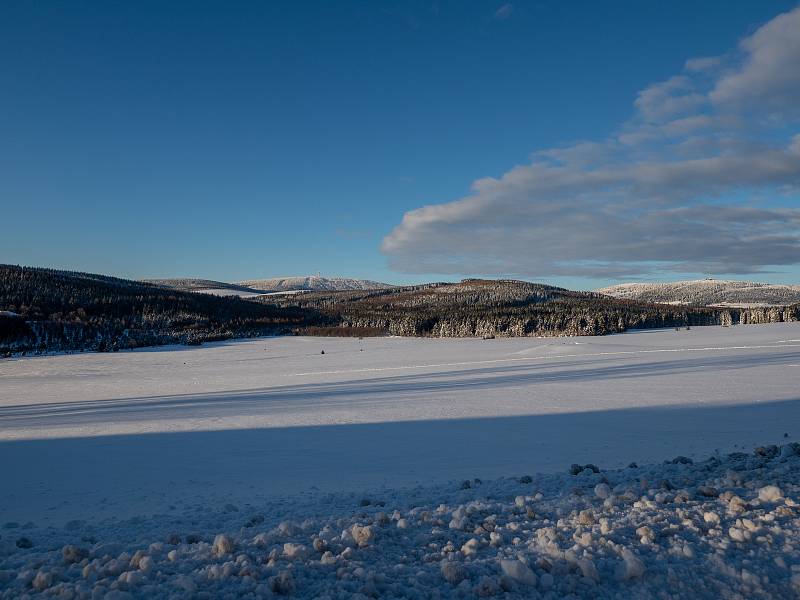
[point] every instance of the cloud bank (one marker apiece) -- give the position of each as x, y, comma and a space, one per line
704, 177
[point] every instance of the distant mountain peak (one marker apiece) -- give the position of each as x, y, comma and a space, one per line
311, 283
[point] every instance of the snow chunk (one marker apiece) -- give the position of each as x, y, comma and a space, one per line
295, 551
470, 547
42, 581
362, 534
453, 573
602, 490
631, 567
223, 544
518, 571
770, 493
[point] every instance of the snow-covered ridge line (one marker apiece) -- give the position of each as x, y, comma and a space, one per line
724, 527
311, 283
708, 292
275, 285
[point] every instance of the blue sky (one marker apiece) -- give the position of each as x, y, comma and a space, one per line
207, 139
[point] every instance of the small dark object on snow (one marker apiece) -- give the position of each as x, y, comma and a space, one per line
767, 451
319, 544
526, 479
708, 491
531, 513
24, 542
365, 502
466, 485
576, 469
786, 435
682, 460
633, 465
281, 583
193, 538
74, 554
476, 481
665, 484
488, 337
173, 539
323, 352
254, 520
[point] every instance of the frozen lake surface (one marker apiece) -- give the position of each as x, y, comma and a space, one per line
135, 433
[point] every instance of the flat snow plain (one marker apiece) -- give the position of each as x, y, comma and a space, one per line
138, 432
407, 468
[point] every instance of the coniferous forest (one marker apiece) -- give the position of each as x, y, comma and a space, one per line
48, 310
44, 310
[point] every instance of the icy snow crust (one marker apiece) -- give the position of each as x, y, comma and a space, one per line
724, 527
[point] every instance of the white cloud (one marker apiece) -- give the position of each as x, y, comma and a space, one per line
504, 12
768, 81
703, 64
668, 99
673, 191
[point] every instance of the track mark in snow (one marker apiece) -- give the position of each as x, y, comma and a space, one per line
541, 357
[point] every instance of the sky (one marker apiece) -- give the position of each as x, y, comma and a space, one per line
575, 143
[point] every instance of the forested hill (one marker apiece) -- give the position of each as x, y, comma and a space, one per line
48, 310
43, 309
504, 308
708, 292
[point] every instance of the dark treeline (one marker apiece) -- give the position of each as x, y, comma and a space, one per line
48, 310
508, 308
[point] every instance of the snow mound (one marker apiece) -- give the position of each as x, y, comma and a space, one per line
725, 527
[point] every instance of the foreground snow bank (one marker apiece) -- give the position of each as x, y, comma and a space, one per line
728, 527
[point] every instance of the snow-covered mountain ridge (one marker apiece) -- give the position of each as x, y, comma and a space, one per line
707, 292
249, 287
312, 283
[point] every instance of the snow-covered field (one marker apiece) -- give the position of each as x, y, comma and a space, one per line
282, 448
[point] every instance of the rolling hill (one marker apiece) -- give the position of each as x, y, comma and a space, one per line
51, 310
476, 307
311, 283
205, 286
254, 287
708, 292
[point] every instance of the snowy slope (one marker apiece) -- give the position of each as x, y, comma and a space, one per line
281, 450
723, 527
312, 282
399, 412
708, 292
